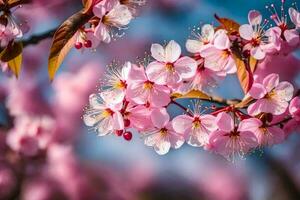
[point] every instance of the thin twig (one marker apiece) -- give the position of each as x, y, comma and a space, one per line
35, 39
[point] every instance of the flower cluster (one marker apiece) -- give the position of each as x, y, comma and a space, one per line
110, 17
137, 96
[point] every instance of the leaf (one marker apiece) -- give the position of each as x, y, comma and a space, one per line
63, 41
244, 74
15, 65
228, 24
12, 54
87, 5
193, 94
253, 64
14, 3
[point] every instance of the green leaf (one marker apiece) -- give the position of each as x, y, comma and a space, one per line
63, 40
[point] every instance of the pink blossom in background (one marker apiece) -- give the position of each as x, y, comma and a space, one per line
8, 181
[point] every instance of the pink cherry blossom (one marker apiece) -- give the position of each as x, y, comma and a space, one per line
169, 69
205, 37
229, 140
112, 15
31, 134
295, 17
266, 135
141, 90
103, 117
294, 108
218, 57
115, 82
162, 137
272, 96
196, 129
259, 42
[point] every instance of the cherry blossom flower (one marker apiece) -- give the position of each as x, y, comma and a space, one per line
295, 17
197, 128
105, 118
31, 134
259, 41
229, 140
141, 90
272, 96
133, 4
111, 14
201, 39
266, 135
294, 108
162, 137
115, 82
218, 57
169, 69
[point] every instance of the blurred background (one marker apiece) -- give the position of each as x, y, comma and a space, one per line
81, 166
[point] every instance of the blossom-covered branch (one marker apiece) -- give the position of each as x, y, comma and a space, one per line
138, 96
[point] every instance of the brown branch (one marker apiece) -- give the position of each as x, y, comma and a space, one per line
35, 39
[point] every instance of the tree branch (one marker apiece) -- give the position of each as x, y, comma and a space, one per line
35, 39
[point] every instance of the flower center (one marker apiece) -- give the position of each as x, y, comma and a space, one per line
196, 122
107, 113
225, 54
120, 85
163, 132
170, 67
255, 41
270, 95
148, 85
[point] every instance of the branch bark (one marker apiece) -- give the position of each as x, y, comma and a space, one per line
35, 39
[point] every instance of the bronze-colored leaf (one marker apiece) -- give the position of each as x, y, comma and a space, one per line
63, 41
253, 64
12, 54
244, 74
15, 65
228, 24
87, 4
193, 94
12, 50
14, 3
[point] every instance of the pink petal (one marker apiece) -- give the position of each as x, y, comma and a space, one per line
257, 91
160, 117
246, 31
172, 51
248, 141
160, 96
292, 37
221, 41
284, 91
209, 122
225, 122
186, 67
271, 81
157, 73
182, 123
193, 46
295, 16
118, 121
140, 117
251, 124
294, 108
137, 74
218, 142
258, 53
230, 67
102, 33
158, 52
161, 144
254, 17
137, 93
274, 135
